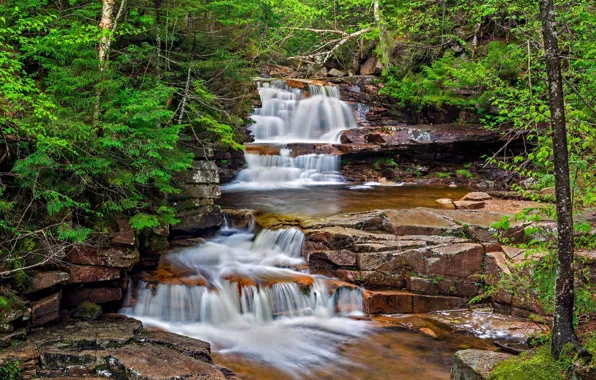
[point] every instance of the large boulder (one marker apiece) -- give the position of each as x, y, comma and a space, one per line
46, 310
119, 348
475, 364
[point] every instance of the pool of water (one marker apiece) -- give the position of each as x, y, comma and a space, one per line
389, 352
330, 200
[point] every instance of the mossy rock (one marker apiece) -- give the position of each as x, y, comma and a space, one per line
87, 311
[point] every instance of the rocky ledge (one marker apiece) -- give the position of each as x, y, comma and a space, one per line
416, 260
114, 347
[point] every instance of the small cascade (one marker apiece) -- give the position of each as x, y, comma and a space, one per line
251, 301
348, 301
274, 171
288, 115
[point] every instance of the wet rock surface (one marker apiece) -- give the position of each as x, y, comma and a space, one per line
114, 347
475, 364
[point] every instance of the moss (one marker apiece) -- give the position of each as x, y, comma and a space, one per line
442, 175
538, 365
463, 173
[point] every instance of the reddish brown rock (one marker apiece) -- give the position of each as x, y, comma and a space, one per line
43, 280
388, 302
108, 257
476, 196
76, 297
468, 205
495, 265
424, 303
46, 309
125, 234
83, 273
457, 260
372, 66
442, 286
24, 353
341, 258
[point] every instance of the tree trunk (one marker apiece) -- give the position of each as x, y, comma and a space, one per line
105, 25
563, 331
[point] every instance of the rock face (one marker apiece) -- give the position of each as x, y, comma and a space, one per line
475, 364
194, 205
431, 259
113, 347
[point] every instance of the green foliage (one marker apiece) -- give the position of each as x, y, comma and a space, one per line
531, 366
82, 139
11, 370
384, 161
463, 173
442, 175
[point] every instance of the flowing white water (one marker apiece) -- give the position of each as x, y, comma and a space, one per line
254, 303
288, 115
265, 172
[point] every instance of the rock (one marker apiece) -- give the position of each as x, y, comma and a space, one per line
372, 66
109, 331
46, 310
548, 191
528, 183
475, 364
6, 328
418, 221
458, 260
11, 315
402, 302
158, 362
445, 201
84, 273
8, 339
441, 286
115, 257
76, 297
194, 348
203, 172
336, 73
322, 72
512, 252
476, 196
118, 347
238, 218
125, 234
429, 332
198, 191
468, 205
388, 302
495, 265
197, 220
87, 311
23, 353
45, 279
341, 258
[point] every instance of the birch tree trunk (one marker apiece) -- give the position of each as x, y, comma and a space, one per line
563, 331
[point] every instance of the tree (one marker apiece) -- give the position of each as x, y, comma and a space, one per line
563, 331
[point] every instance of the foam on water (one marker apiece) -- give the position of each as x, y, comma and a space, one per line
265, 172
254, 303
288, 115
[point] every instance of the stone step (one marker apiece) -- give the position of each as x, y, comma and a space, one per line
404, 302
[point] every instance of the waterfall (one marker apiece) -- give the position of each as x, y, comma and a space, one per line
275, 171
252, 302
288, 115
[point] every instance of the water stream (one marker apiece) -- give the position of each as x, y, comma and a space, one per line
250, 294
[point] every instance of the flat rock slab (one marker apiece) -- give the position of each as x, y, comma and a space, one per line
118, 347
403, 302
475, 364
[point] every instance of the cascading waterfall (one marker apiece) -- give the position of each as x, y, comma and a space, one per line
252, 301
274, 171
288, 115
